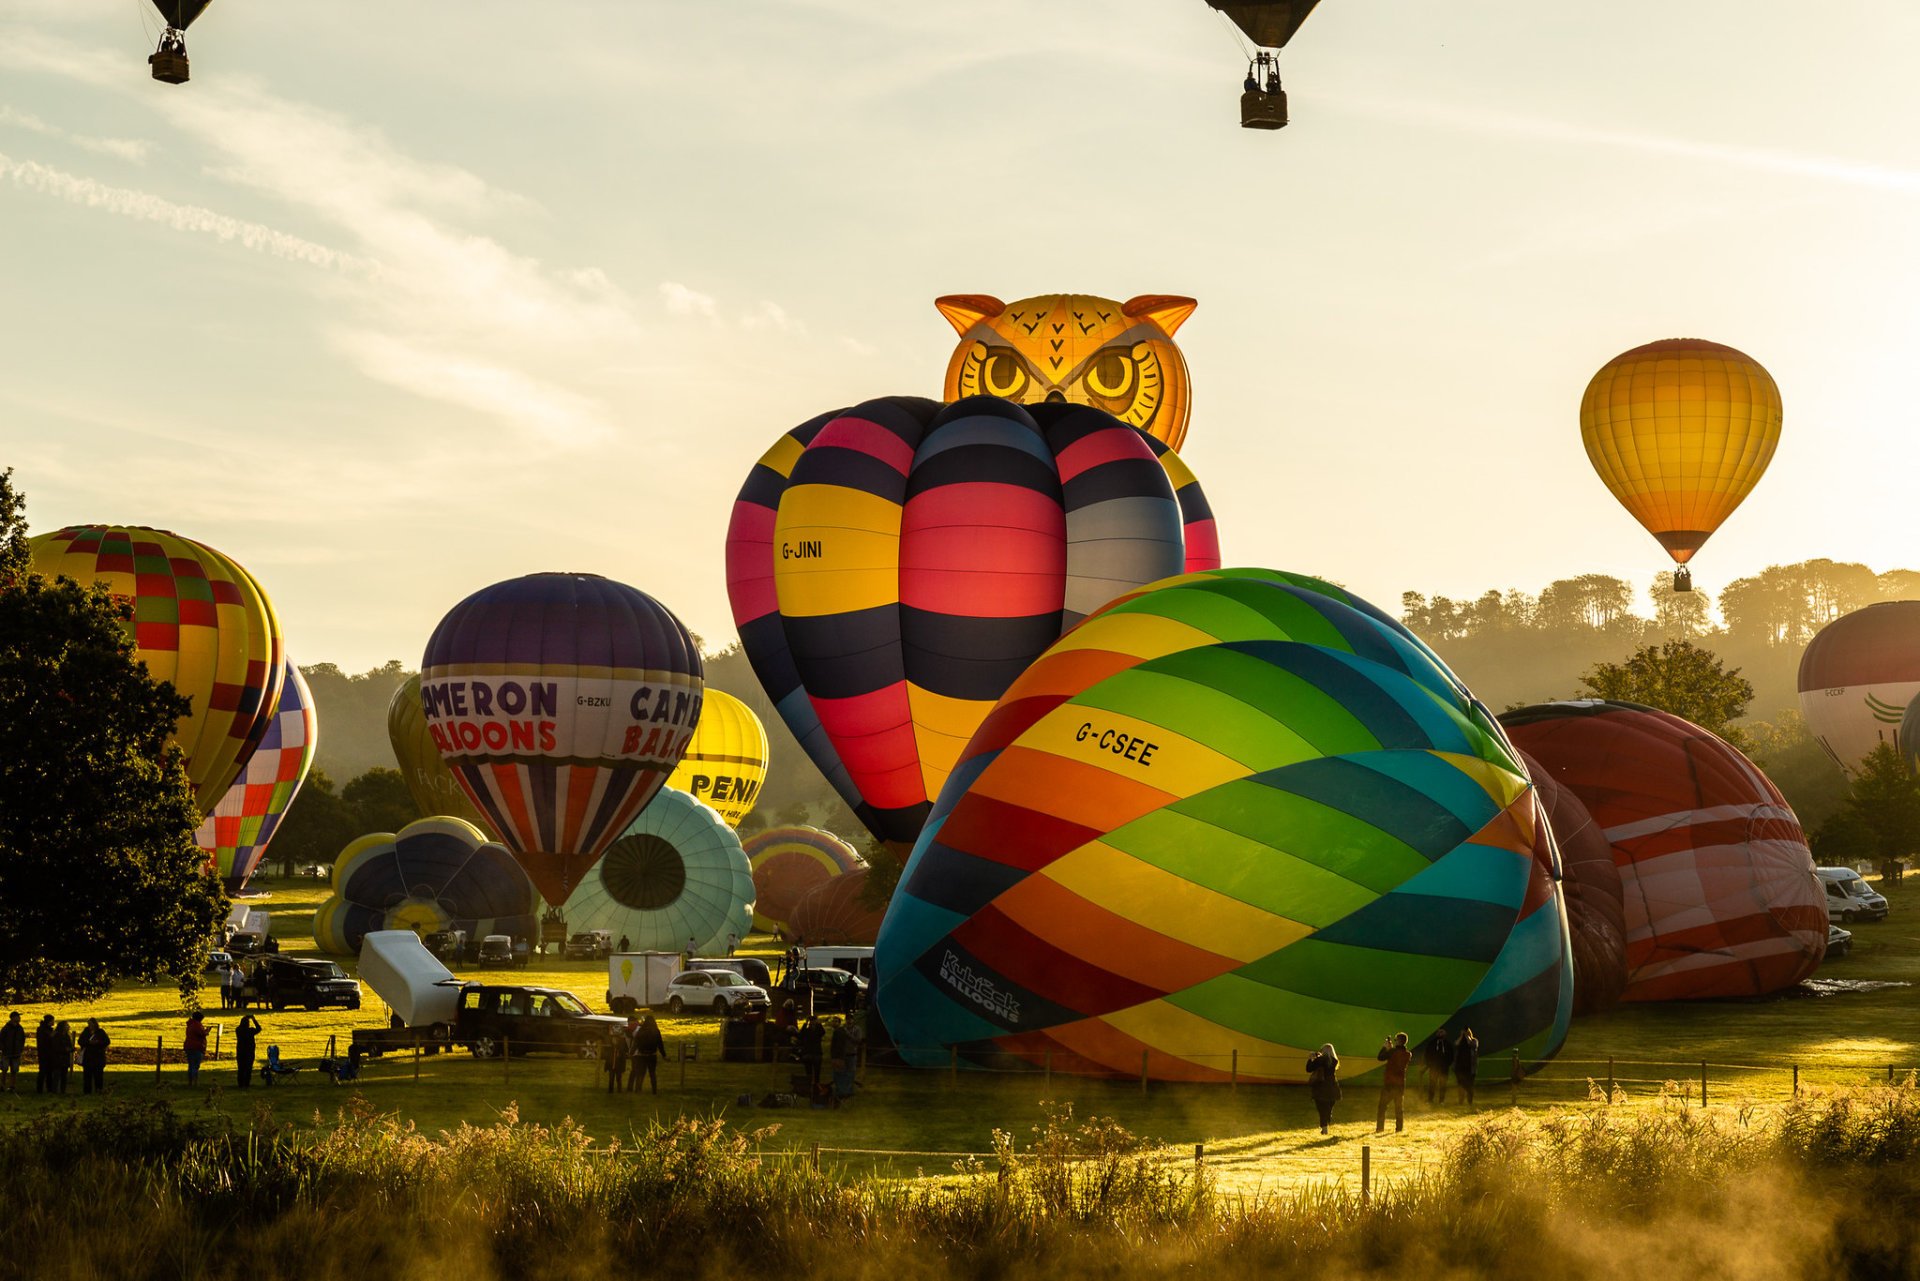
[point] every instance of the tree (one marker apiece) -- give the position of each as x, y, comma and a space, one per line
99, 873
1590, 601
1679, 614
380, 801
1883, 807
1676, 676
316, 827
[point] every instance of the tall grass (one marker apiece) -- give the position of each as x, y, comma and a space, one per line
1822, 1187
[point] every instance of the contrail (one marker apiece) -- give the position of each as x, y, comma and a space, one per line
32, 176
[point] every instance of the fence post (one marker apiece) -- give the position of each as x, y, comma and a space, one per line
683, 1066
1047, 1062
1234, 1080
1366, 1174
416, 1056
953, 1065
1143, 1072
506, 1059
1199, 1156
1703, 1083
816, 1158
158, 1046
218, 1026
759, 1039
1796, 1080
1513, 1081
1889, 1074
1609, 1078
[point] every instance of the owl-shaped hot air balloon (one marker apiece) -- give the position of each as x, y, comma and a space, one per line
1119, 357
726, 762
431, 784
561, 702
1681, 431
893, 567
235, 835
200, 622
1231, 814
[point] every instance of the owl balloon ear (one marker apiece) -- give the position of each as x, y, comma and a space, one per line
964, 311
1169, 311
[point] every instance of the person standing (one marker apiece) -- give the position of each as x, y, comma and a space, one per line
613, 1055
811, 1036
195, 1044
843, 1052
1323, 1082
693, 948
93, 1058
648, 1046
625, 945
13, 1048
62, 1055
733, 943
245, 1035
43, 1081
235, 980
1466, 1063
1436, 1060
1393, 1082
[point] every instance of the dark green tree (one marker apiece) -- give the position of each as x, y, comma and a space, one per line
316, 828
1676, 676
380, 801
1883, 804
99, 873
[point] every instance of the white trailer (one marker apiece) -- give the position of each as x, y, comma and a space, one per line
854, 960
640, 977
402, 972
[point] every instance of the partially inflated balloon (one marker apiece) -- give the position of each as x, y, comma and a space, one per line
561, 702
200, 622
431, 784
434, 874
1716, 878
1681, 431
676, 877
1590, 884
1910, 735
726, 762
1858, 675
235, 835
894, 566
1232, 813
788, 863
1525, 1003
836, 911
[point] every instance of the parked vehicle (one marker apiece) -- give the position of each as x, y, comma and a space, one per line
1849, 898
496, 951
448, 945
832, 989
854, 960
722, 991
219, 962
1839, 942
589, 945
751, 968
281, 981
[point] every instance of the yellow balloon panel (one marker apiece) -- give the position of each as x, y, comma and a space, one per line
726, 762
199, 622
1115, 356
1681, 431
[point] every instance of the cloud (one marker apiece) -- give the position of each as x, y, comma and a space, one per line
132, 149
682, 301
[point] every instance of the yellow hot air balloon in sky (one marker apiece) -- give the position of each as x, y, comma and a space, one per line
1681, 430
726, 762
200, 622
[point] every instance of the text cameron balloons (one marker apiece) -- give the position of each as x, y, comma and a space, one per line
1240, 813
561, 702
894, 566
200, 622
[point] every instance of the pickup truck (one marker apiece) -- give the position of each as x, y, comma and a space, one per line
490, 1020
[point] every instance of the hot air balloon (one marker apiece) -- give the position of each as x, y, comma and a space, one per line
1716, 878
1268, 24
236, 833
434, 874
1590, 884
1231, 814
1681, 430
200, 622
676, 873
894, 566
726, 762
1910, 735
1119, 357
169, 61
1525, 1002
790, 862
561, 702
434, 789
835, 912
1857, 677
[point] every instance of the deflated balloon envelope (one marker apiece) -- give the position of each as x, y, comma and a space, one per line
235, 835
1716, 879
676, 873
1233, 814
893, 566
788, 864
434, 874
1590, 883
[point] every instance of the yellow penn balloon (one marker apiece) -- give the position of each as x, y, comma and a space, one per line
1681, 430
726, 761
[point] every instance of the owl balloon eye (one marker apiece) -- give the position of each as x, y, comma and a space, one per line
1111, 375
1003, 374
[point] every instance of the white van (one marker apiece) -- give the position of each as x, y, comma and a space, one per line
1848, 897
854, 960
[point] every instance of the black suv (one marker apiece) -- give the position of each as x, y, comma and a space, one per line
529, 1020
281, 981
832, 989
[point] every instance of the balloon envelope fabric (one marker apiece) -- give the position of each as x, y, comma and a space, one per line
431, 784
1857, 677
435, 874
834, 911
893, 566
676, 873
726, 761
1716, 878
1590, 884
788, 864
1240, 811
562, 702
235, 835
200, 622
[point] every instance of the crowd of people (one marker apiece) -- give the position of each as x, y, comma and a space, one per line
1441, 1056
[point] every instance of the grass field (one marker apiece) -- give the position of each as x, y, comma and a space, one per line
1254, 1136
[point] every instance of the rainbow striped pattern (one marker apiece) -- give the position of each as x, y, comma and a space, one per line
235, 835
790, 862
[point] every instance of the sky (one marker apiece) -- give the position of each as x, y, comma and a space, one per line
392, 302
